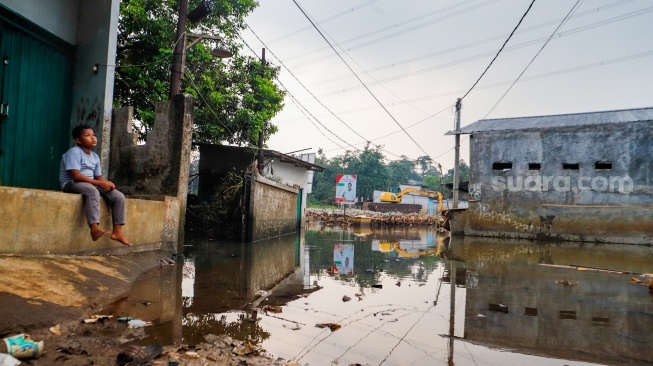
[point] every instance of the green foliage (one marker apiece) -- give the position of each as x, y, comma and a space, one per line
464, 173
235, 98
401, 171
216, 218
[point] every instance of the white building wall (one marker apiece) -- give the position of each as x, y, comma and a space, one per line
291, 175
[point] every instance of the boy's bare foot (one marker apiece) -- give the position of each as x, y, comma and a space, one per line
121, 238
97, 233
117, 235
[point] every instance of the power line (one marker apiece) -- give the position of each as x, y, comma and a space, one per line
300, 83
564, 20
317, 120
359, 79
491, 39
479, 56
500, 49
365, 140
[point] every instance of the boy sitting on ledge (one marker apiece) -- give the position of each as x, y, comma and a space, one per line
80, 172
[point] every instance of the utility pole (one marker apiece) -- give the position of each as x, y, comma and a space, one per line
456, 165
260, 133
180, 49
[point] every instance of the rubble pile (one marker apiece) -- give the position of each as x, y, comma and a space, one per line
336, 217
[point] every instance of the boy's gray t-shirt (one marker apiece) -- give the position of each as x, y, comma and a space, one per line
76, 158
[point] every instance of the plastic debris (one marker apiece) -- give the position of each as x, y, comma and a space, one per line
56, 330
332, 326
22, 346
8, 360
137, 323
125, 319
243, 350
192, 354
378, 285
272, 309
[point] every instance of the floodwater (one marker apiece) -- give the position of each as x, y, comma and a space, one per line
513, 302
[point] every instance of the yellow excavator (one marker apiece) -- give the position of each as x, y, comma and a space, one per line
396, 197
390, 246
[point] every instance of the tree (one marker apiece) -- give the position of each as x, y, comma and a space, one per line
367, 164
234, 98
401, 171
425, 163
463, 174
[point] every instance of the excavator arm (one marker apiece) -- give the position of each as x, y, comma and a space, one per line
420, 192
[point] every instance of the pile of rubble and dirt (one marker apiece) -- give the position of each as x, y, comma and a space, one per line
337, 217
49, 307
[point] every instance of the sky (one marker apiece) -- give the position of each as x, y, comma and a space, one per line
401, 65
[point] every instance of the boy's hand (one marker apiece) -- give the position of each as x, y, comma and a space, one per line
106, 185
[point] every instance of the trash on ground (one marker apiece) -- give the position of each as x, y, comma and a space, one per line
192, 354
137, 355
56, 330
398, 284
292, 327
137, 323
242, 350
333, 270
8, 360
272, 309
346, 298
567, 283
125, 319
22, 346
332, 326
635, 280
359, 296
378, 285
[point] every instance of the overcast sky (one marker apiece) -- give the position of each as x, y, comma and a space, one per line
417, 57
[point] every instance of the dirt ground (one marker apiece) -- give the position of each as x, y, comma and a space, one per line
39, 293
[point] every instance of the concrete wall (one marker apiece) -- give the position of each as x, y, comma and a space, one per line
59, 17
291, 175
564, 210
160, 166
96, 37
272, 208
507, 272
39, 222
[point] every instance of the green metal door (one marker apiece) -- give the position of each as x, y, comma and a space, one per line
299, 207
35, 92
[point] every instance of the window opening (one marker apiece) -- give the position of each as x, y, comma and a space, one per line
534, 166
502, 165
603, 165
567, 166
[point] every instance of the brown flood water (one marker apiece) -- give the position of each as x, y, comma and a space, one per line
514, 302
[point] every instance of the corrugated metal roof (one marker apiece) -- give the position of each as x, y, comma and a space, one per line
559, 120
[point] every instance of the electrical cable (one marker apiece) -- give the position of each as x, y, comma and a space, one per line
492, 39
500, 49
511, 48
317, 120
361, 81
340, 147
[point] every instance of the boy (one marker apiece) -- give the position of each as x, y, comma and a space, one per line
80, 172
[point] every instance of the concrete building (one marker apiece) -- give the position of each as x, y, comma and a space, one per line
57, 72
578, 177
274, 202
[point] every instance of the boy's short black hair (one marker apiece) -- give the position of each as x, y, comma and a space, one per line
77, 131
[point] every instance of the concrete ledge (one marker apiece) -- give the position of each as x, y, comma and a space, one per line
39, 222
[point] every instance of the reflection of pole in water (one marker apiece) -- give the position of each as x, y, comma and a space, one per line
452, 310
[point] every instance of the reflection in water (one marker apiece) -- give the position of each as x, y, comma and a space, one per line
542, 302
